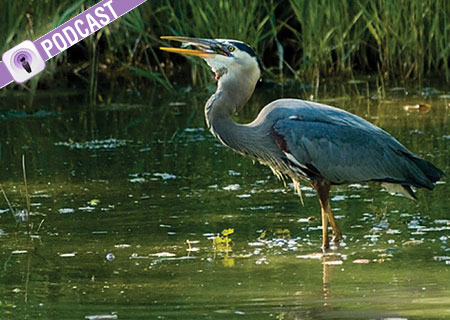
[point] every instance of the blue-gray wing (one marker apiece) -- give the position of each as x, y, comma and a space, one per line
343, 151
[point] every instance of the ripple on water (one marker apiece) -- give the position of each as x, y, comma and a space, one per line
193, 135
106, 144
66, 210
145, 176
232, 187
111, 316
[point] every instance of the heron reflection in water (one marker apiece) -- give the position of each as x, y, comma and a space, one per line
303, 140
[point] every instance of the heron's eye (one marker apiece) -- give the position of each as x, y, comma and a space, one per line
231, 48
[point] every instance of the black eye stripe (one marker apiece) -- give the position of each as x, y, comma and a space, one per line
243, 47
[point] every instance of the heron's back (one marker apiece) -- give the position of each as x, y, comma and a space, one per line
342, 147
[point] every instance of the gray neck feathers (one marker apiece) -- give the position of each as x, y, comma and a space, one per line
232, 92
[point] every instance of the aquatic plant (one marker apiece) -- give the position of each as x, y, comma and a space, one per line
223, 243
307, 40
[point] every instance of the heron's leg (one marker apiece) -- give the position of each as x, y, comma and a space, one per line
323, 190
324, 196
337, 234
325, 239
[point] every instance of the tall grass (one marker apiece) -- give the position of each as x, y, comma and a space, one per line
329, 36
404, 40
411, 38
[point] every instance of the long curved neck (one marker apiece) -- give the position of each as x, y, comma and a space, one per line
218, 111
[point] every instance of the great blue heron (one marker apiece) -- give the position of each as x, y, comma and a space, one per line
303, 140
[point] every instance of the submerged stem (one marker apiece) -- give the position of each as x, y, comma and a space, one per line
27, 196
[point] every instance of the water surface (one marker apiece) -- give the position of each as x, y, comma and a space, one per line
118, 190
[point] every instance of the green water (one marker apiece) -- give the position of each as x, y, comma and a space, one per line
116, 191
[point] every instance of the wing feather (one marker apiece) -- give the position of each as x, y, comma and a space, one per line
343, 152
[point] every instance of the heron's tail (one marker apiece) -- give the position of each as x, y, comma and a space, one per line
426, 175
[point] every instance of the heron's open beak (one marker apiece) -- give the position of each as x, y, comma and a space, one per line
205, 48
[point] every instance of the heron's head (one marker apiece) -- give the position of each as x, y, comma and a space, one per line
230, 60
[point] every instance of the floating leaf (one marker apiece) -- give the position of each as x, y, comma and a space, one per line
227, 232
421, 107
262, 235
94, 202
284, 233
361, 261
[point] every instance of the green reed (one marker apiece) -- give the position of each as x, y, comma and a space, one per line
398, 41
411, 38
329, 36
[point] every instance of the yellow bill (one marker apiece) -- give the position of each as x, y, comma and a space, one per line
177, 38
203, 47
190, 52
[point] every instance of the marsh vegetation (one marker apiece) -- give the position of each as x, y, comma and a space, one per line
305, 41
133, 209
